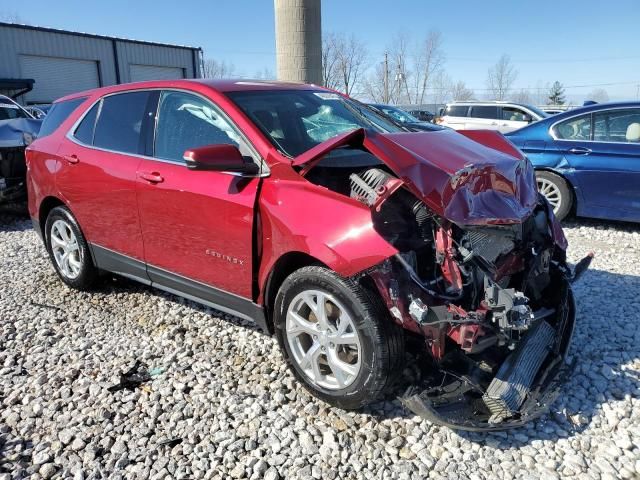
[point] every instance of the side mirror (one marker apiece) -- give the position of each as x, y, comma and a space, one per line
219, 157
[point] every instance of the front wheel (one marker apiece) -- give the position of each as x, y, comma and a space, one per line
337, 338
555, 189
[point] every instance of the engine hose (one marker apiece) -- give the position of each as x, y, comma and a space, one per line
414, 276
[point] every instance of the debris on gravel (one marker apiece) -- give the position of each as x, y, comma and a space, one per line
213, 398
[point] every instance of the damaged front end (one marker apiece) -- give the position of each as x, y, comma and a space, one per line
15, 136
480, 276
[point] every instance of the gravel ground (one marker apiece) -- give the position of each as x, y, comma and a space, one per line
221, 404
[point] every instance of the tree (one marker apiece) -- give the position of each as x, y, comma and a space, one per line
264, 74
442, 87
217, 69
599, 95
344, 60
460, 92
556, 94
500, 77
428, 60
10, 17
523, 96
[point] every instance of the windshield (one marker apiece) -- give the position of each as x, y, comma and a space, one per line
398, 115
9, 111
537, 111
298, 120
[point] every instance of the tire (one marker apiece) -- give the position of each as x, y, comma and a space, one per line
347, 375
557, 192
68, 250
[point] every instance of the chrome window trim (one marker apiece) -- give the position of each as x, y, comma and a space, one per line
591, 113
264, 168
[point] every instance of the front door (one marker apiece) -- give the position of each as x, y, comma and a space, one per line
197, 226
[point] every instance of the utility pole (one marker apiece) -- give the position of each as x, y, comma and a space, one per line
386, 78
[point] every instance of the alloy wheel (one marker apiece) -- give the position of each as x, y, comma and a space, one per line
323, 339
65, 249
551, 192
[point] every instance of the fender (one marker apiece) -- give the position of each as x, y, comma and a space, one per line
298, 216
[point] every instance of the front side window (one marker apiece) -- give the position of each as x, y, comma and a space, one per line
577, 128
617, 126
59, 112
484, 111
297, 120
187, 121
9, 111
119, 124
514, 114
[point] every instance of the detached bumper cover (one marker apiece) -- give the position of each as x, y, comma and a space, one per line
461, 416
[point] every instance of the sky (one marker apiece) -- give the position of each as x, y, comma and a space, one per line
585, 44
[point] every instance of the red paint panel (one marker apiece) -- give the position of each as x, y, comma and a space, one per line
198, 224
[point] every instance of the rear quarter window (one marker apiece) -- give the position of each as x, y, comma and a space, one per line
58, 114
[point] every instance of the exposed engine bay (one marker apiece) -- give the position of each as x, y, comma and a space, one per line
491, 304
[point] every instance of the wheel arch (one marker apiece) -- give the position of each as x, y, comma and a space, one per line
48, 204
284, 266
572, 188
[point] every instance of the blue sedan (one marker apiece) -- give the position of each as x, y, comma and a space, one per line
587, 160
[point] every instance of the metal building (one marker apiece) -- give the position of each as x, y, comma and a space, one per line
62, 62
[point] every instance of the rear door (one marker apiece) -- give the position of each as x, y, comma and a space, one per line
483, 117
98, 178
197, 225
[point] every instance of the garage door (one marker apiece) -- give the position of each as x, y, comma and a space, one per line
139, 73
56, 77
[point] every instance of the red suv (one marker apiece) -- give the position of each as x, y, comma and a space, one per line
328, 225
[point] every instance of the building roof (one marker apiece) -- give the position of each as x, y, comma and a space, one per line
92, 35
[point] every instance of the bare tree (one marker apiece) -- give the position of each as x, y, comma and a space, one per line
265, 74
522, 96
217, 69
329, 60
500, 77
400, 71
10, 17
344, 60
428, 60
599, 95
460, 92
442, 87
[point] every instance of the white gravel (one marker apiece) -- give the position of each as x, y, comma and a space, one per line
221, 390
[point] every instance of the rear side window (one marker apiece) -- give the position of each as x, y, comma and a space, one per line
120, 122
84, 132
58, 114
456, 110
484, 111
577, 128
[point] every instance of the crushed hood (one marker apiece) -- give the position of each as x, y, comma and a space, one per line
470, 178
12, 131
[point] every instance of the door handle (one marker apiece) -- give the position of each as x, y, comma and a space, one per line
580, 151
73, 158
151, 177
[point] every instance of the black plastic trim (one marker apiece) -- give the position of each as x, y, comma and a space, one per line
124, 265
135, 269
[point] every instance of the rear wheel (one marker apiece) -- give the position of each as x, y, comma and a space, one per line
337, 339
68, 250
555, 189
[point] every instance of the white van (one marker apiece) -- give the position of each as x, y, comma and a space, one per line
502, 116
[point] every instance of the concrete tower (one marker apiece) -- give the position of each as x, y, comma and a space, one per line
299, 40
